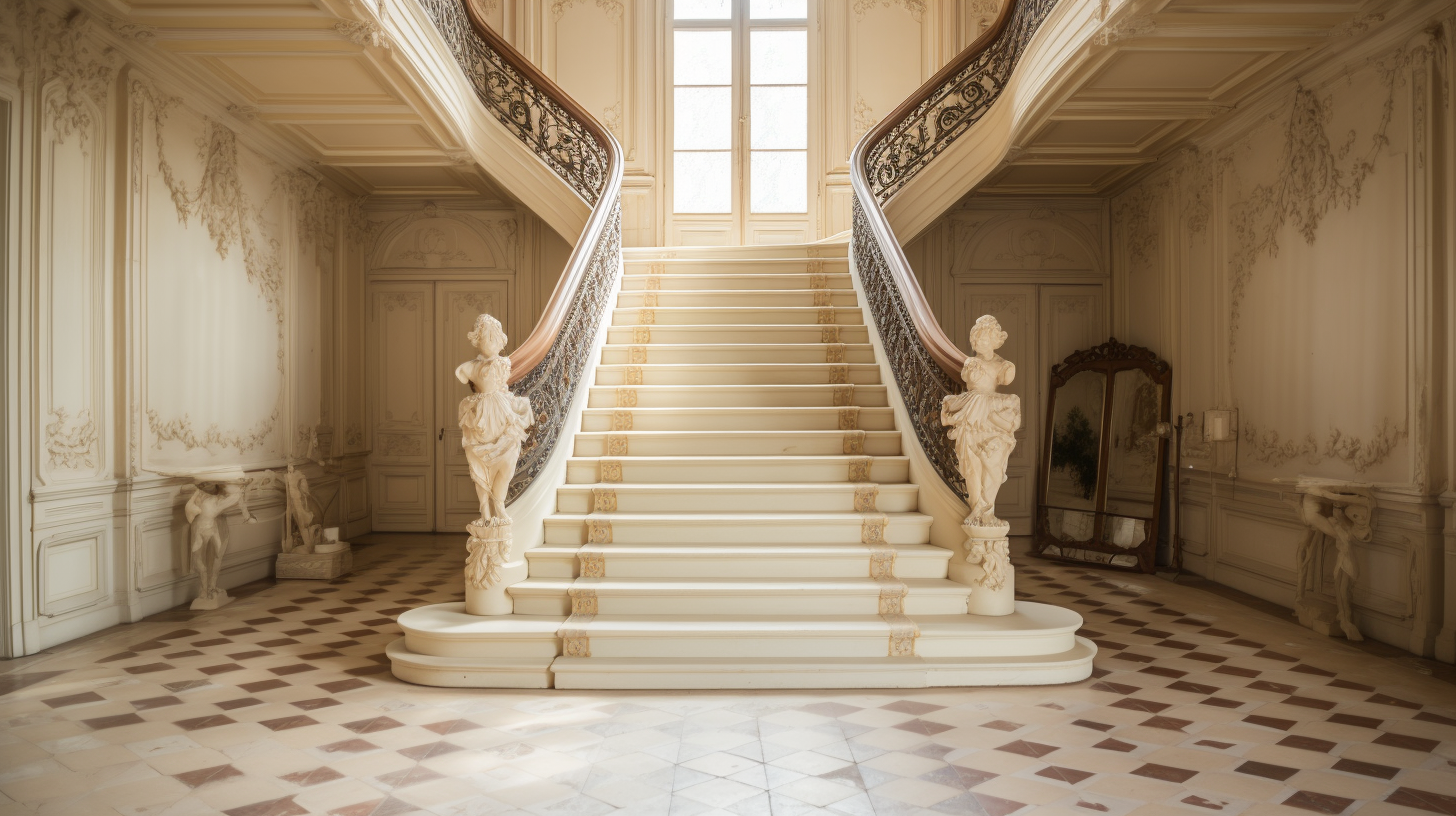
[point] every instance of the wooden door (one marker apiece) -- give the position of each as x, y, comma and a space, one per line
457, 303
402, 392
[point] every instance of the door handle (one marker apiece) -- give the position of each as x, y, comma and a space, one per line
441, 437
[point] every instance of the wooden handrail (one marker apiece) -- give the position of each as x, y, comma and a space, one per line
532, 351
941, 348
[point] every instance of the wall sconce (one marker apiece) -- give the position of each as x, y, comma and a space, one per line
1220, 425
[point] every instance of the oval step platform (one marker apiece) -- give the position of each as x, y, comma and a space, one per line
738, 513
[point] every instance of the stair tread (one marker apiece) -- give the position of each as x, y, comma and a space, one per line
756, 550
700, 586
739, 517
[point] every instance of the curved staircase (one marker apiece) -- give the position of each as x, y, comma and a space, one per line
738, 513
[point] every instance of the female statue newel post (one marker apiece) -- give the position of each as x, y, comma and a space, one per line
493, 424
983, 425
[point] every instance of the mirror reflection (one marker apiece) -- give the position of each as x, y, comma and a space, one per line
1076, 442
1132, 451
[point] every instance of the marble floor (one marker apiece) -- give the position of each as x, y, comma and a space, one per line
282, 703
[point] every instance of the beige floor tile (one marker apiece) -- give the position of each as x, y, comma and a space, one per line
915, 792
1022, 790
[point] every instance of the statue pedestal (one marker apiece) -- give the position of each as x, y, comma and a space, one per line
987, 568
217, 600
315, 565
489, 568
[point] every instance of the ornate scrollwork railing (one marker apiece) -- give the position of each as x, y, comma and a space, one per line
925, 362
548, 365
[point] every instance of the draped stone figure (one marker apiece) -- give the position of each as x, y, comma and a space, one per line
493, 424
1341, 514
209, 501
983, 424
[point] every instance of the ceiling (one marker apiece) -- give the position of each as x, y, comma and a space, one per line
1161, 75
321, 75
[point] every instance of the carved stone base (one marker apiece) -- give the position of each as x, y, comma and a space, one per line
217, 600
315, 565
988, 569
488, 568
1323, 617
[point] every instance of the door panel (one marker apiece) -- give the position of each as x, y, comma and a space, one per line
457, 303
402, 388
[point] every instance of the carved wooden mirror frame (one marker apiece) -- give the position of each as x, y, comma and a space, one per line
1058, 526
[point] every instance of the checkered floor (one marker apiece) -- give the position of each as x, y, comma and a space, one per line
282, 703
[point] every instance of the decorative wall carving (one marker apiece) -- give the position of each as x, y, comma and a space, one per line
864, 118
362, 33
915, 7
1271, 448
213, 438
1141, 26
1313, 178
65, 57
71, 445
612, 8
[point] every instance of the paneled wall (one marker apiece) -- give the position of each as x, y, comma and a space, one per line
177, 297
1041, 268
607, 54
430, 270
1295, 265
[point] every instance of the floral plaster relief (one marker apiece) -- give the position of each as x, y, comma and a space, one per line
1316, 256
213, 218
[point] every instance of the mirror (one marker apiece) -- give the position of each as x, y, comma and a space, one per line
1103, 458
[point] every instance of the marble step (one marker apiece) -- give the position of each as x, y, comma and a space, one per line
823, 395
739, 374
738, 419
736, 353
1034, 629
738, 316
689, 529
739, 334
742, 596
769, 497
730, 266
638, 281
735, 470
737, 443
1070, 666
773, 298
735, 561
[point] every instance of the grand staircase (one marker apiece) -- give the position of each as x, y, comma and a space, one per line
738, 513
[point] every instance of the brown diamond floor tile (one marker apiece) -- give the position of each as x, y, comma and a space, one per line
317, 776
1318, 802
1266, 770
202, 776
1166, 773
272, 807
1423, 800
1035, 750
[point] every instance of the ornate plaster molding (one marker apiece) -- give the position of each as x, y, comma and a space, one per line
364, 33
612, 8
60, 51
1314, 177
1271, 448
213, 438
864, 119
1141, 26
612, 118
71, 445
916, 8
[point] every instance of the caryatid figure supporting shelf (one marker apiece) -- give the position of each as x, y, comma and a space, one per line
493, 424
983, 424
